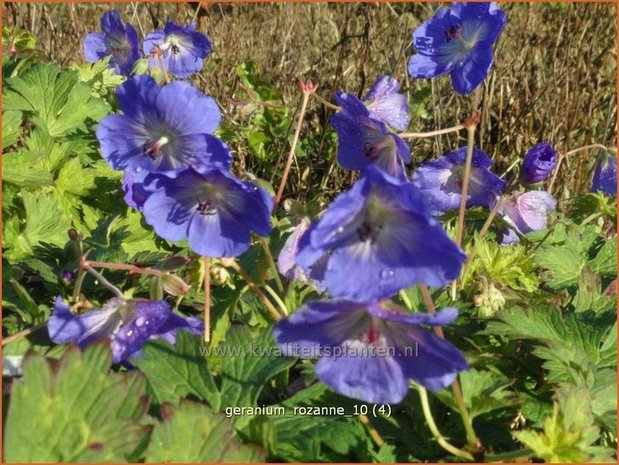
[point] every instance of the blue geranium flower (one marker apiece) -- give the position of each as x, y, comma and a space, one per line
363, 140
212, 208
118, 40
526, 212
133, 185
458, 41
605, 177
180, 49
370, 352
538, 163
378, 238
128, 323
440, 181
161, 129
385, 104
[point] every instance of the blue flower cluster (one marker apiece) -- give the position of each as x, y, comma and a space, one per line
373, 241
175, 171
177, 49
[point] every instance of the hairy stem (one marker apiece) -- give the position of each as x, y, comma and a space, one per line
471, 437
374, 434
123, 266
427, 413
326, 103
253, 286
104, 282
23, 333
307, 91
438, 132
272, 264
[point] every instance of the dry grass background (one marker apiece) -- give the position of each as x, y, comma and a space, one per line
554, 76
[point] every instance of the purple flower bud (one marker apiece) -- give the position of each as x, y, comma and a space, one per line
68, 276
538, 163
605, 177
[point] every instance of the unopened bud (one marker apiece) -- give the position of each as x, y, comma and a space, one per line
174, 285
489, 302
219, 275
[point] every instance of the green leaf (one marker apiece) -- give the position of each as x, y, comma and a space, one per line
605, 262
11, 122
175, 371
78, 412
20, 169
248, 363
44, 222
192, 433
59, 102
483, 392
569, 434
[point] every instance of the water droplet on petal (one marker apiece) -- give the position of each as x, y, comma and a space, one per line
386, 273
130, 333
140, 321
339, 230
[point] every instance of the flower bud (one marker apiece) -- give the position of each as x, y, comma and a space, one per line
489, 302
538, 163
174, 285
219, 275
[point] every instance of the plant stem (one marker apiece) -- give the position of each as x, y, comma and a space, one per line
23, 333
79, 280
123, 266
267, 252
253, 286
427, 413
482, 232
374, 434
207, 299
438, 132
567, 154
465, 182
327, 104
104, 282
471, 437
308, 89
277, 299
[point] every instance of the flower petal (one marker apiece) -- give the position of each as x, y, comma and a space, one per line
148, 318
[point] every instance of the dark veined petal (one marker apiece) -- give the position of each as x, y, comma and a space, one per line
133, 185
318, 326
382, 87
433, 362
441, 318
121, 143
112, 24
351, 106
377, 379
386, 105
216, 211
187, 110
175, 323
467, 76
146, 320
382, 247
364, 141
440, 181
95, 48
66, 327
526, 212
136, 98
